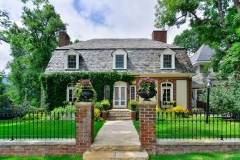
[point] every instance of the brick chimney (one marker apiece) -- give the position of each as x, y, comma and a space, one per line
160, 36
63, 38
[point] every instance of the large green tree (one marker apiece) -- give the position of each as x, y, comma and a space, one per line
31, 47
214, 21
189, 40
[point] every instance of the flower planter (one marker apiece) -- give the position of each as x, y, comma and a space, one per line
143, 93
133, 106
86, 95
105, 107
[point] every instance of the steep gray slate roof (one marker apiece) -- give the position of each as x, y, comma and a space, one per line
204, 53
129, 43
199, 79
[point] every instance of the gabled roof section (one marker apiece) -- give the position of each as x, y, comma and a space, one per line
204, 53
130, 43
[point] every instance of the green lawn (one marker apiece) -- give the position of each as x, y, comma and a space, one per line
193, 127
40, 129
199, 156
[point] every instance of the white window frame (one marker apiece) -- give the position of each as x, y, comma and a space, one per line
120, 52
70, 86
171, 90
68, 53
167, 52
130, 93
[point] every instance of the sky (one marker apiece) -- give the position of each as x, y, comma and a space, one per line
88, 19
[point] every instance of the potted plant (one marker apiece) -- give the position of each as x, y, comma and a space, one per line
132, 105
84, 91
106, 104
147, 88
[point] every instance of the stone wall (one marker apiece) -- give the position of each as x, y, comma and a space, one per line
196, 146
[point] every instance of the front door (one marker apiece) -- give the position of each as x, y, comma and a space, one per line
120, 96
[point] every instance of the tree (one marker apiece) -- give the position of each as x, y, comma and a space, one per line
31, 47
189, 40
214, 21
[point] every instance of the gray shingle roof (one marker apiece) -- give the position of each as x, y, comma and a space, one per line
204, 53
130, 43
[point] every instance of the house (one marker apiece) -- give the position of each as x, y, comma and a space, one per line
141, 57
200, 61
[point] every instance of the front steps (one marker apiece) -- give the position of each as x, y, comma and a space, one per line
117, 140
119, 114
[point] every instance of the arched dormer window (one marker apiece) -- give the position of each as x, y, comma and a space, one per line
167, 59
119, 59
71, 59
167, 91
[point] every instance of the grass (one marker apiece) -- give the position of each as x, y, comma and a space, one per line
199, 156
136, 125
64, 157
41, 129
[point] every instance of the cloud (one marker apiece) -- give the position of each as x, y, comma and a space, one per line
88, 19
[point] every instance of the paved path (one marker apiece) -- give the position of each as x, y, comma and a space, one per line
116, 140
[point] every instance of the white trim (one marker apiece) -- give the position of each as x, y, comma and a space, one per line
167, 52
119, 52
71, 52
171, 90
132, 86
120, 84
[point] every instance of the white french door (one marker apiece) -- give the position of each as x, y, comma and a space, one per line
120, 96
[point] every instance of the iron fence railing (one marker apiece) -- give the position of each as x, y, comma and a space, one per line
37, 125
177, 125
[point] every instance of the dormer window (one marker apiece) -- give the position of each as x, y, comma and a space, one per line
119, 59
167, 59
71, 59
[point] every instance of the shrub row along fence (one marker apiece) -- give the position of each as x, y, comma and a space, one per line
37, 125
196, 125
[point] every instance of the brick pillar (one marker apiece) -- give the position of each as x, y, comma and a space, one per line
147, 122
133, 115
84, 126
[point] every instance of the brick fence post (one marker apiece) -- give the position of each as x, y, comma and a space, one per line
84, 126
147, 122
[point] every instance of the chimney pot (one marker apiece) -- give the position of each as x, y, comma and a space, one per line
160, 36
64, 38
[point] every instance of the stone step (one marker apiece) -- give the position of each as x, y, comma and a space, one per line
119, 114
118, 118
116, 147
115, 155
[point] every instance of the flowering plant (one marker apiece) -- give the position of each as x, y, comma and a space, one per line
132, 102
147, 84
84, 84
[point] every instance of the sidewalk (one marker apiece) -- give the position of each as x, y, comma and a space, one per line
116, 140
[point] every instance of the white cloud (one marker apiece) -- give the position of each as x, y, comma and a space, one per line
120, 19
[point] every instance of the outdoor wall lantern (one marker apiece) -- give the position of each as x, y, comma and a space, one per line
208, 86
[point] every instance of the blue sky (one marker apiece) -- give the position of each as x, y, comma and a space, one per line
90, 19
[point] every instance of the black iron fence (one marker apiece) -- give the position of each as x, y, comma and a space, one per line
194, 125
37, 125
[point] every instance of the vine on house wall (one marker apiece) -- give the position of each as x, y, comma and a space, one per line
55, 84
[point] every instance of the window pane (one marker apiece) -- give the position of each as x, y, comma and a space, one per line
107, 92
72, 61
119, 61
132, 93
167, 61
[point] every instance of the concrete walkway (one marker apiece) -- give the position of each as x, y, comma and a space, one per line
116, 140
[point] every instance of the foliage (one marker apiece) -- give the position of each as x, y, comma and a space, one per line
25, 106
215, 23
97, 113
98, 105
60, 113
189, 40
84, 84
106, 103
224, 97
34, 116
55, 84
32, 45
147, 84
178, 111
132, 102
